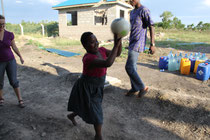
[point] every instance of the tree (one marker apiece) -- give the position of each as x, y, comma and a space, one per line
158, 24
166, 19
191, 27
177, 23
23, 22
206, 26
200, 25
52, 28
166, 16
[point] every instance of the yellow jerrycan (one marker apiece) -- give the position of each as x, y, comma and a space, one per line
185, 66
197, 62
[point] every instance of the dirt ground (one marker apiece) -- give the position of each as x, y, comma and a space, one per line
176, 107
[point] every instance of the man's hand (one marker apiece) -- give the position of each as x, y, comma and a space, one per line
152, 40
152, 49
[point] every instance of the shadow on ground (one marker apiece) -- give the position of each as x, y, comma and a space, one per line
46, 96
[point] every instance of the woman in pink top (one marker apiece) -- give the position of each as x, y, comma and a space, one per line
87, 93
8, 62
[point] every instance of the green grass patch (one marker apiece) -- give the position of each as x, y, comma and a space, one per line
124, 52
56, 43
65, 42
172, 38
34, 43
174, 44
35, 35
188, 36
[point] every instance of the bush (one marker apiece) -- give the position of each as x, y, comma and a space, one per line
15, 28
51, 28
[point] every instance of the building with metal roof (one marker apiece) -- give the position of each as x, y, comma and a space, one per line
78, 16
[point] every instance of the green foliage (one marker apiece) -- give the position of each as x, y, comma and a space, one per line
191, 27
158, 24
34, 43
206, 26
124, 52
31, 27
177, 23
15, 28
51, 28
69, 23
173, 37
65, 42
200, 26
168, 23
166, 19
166, 16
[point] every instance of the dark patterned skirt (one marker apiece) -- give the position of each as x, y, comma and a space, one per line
86, 99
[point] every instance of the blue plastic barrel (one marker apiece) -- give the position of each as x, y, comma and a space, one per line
203, 71
208, 61
163, 62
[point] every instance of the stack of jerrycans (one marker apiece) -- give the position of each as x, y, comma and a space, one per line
197, 64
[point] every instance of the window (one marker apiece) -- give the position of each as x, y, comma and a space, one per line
100, 17
122, 14
72, 18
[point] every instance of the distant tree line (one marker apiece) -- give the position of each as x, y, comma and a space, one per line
200, 26
171, 22
51, 28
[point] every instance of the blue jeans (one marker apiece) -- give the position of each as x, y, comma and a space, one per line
11, 68
131, 69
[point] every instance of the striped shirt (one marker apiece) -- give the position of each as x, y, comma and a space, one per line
140, 19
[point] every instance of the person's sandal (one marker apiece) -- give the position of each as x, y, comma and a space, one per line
143, 92
130, 93
21, 104
1, 102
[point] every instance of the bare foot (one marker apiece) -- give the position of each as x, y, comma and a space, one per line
143, 92
71, 118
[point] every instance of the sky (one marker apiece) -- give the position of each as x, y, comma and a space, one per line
189, 11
